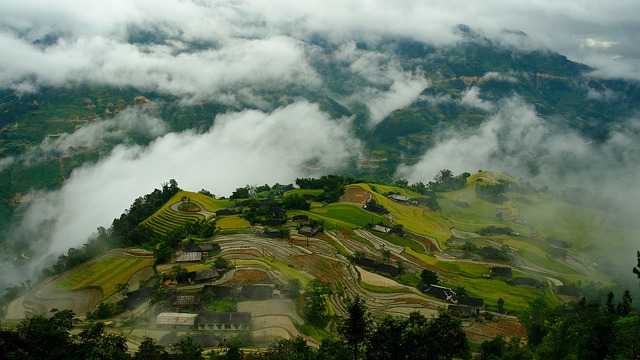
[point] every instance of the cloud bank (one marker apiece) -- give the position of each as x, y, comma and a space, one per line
200, 49
248, 147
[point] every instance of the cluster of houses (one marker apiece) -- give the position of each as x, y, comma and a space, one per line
382, 268
185, 311
206, 320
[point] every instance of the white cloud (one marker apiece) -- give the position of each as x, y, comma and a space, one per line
254, 42
471, 97
248, 147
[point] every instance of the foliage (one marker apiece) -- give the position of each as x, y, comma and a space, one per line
429, 277
355, 328
445, 181
315, 308
493, 192
187, 349
39, 337
417, 337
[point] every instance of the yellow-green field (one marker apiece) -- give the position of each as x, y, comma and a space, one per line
105, 274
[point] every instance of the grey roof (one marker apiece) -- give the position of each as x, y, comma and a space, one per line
382, 229
470, 301
500, 271
211, 317
256, 291
465, 311
186, 300
440, 292
205, 274
188, 256
182, 319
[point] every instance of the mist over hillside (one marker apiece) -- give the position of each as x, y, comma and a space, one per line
102, 104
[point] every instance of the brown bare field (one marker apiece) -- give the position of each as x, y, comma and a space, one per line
356, 194
249, 276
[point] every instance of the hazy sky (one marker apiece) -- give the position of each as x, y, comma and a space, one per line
247, 45
254, 42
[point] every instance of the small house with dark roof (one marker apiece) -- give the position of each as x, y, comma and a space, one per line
387, 269
271, 233
470, 301
223, 212
186, 301
399, 198
256, 291
463, 311
440, 292
525, 282
366, 262
203, 275
137, 297
500, 271
489, 252
272, 222
300, 218
310, 197
205, 247
308, 230
381, 229
218, 291
211, 320
288, 187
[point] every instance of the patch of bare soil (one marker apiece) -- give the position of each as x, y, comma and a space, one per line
356, 194
481, 331
377, 280
138, 252
249, 276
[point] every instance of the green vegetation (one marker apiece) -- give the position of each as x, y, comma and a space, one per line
104, 274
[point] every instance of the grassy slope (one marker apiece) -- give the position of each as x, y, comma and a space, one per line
105, 274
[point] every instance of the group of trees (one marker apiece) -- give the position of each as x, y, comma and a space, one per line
587, 330
332, 185
492, 192
359, 337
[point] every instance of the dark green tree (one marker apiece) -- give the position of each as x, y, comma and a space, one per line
95, 343
355, 328
187, 349
148, 350
315, 302
429, 277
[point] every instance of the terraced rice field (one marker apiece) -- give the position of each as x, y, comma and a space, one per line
167, 219
104, 274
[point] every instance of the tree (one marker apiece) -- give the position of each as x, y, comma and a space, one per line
96, 343
624, 306
429, 277
287, 349
355, 328
148, 350
220, 263
315, 302
451, 339
294, 288
636, 270
52, 335
386, 340
187, 349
